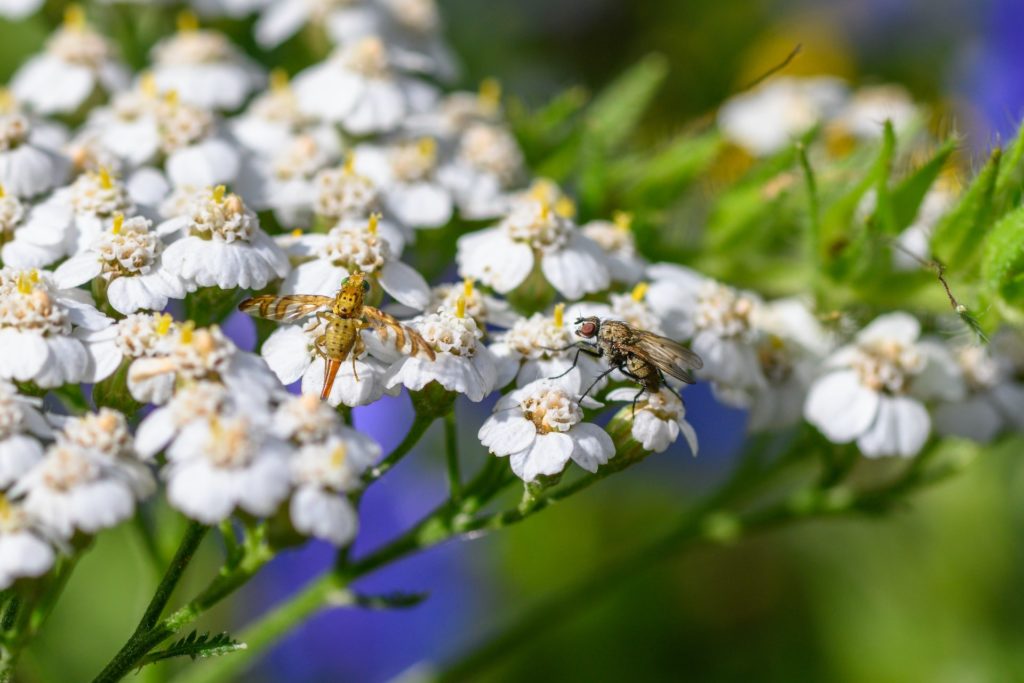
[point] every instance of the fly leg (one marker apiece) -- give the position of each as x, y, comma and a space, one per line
594, 383
640, 393
357, 351
581, 347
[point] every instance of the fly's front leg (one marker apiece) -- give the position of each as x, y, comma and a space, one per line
357, 350
594, 383
581, 347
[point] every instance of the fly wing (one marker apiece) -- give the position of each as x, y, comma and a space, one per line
286, 309
384, 323
671, 358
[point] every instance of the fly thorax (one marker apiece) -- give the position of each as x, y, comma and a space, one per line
418, 16
223, 218
79, 45
228, 444
492, 149
324, 465
302, 158
724, 311
130, 249
193, 47
67, 466
537, 223
12, 417
534, 337
888, 365
551, 410
181, 124
355, 247
412, 161
448, 333
28, 306
368, 57
14, 130
11, 213
105, 432
343, 192
100, 194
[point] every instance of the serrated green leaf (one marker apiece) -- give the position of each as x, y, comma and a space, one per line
907, 196
959, 235
617, 109
195, 646
1002, 266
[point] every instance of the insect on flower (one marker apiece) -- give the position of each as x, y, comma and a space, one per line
642, 356
344, 316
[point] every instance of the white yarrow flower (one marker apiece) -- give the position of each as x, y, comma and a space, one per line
994, 400
540, 428
27, 167
22, 425
658, 419
25, 547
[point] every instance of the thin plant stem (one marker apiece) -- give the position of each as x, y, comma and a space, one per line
451, 451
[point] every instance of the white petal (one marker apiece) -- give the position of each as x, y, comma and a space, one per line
546, 456
592, 446
840, 406
578, 268
77, 270
901, 327
901, 428
507, 432
405, 284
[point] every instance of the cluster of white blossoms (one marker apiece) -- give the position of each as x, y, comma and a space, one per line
203, 178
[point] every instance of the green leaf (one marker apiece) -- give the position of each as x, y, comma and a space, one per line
958, 236
907, 196
658, 179
1002, 265
617, 109
1011, 174
194, 646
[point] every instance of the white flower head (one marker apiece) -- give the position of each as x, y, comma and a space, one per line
462, 364
72, 488
322, 474
25, 547
22, 426
224, 463
27, 167
487, 164
204, 67
359, 88
406, 172
866, 112
223, 246
138, 335
616, 239
128, 259
872, 390
77, 61
343, 192
357, 245
994, 397
194, 402
541, 346
272, 119
540, 427
37, 320
657, 419
503, 256
458, 111
16, 10
768, 118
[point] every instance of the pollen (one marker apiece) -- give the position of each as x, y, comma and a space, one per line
565, 207
350, 163
218, 193
24, 283
187, 330
187, 22
639, 292
374, 221
171, 97
489, 94
560, 315
147, 84
74, 17
297, 232
3, 193
460, 307
6, 101
623, 220
279, 80
106, 180
467, 288
338, 455
163, 325
118, 223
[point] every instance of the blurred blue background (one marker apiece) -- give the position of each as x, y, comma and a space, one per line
931, 594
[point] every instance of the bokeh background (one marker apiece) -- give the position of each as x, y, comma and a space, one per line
931, 593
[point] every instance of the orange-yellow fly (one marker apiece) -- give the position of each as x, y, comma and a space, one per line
344, 316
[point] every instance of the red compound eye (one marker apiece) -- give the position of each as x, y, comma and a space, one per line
587, 329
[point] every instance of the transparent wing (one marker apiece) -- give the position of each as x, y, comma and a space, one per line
671, 358
383, 323
286, 309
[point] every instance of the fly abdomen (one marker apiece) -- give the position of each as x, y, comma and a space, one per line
340, 338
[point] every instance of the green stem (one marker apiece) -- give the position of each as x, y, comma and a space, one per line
451, 451
322, 591
416, 431
147, 634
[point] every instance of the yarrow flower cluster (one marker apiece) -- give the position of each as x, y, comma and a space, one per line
138, 211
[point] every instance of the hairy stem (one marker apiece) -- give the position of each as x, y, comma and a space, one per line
451, 451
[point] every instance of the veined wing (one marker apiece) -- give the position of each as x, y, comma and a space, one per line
382, 322
671, 358
286, 309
